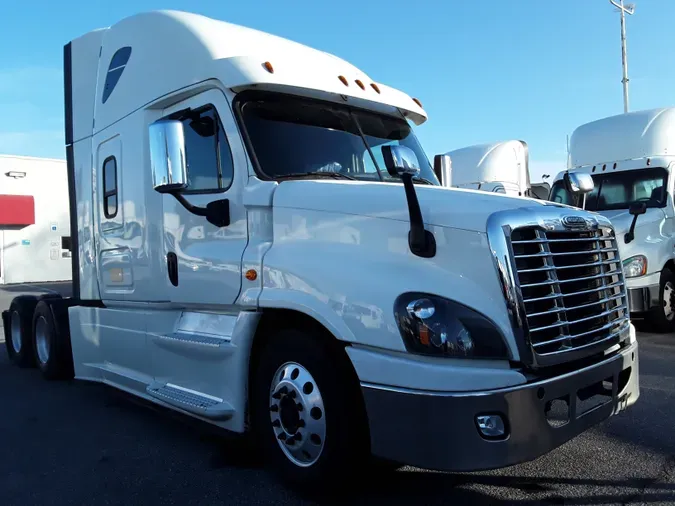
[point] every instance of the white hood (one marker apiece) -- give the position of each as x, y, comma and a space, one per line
621, 220
445, 207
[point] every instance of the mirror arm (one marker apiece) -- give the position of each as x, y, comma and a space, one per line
630, 235
199, 211
422, 242
217, 212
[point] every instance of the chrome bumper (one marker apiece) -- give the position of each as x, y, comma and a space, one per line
439, 430
641, 300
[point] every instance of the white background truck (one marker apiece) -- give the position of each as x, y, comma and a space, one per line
34, 220
630, 158
262, 244
499, 167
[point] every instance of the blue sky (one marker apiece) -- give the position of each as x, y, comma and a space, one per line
485, 70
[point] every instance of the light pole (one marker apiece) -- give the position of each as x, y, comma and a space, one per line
624, 9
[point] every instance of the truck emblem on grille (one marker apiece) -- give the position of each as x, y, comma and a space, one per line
575, 222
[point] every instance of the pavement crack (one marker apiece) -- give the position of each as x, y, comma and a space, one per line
667, 467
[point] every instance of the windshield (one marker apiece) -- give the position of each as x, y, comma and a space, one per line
293, 136
618, 190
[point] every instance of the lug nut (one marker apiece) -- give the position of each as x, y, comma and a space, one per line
292, 394
276, 423
299, 406
290, 441
282, 437
301, 423
283, 390
274, 408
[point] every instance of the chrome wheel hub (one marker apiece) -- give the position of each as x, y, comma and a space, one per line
42, 340
16, 331
297, 414
669, 300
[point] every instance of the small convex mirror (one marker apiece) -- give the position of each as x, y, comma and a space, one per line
167, 156
638, 208
400, 160
579, 183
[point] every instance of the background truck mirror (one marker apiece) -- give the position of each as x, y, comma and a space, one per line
167, 156
443, 168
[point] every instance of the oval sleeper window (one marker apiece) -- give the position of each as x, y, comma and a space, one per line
117, 64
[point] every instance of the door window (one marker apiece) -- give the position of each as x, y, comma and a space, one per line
209, 161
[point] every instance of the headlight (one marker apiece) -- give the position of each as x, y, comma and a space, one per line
432, 325
635, 266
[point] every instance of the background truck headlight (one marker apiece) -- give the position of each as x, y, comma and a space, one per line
432, 325
635, 266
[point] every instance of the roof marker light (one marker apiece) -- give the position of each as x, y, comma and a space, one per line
268, 67
604, 166
375, 87
614, 165
593, 168
360, 84
344, 80
649, 161
418, 102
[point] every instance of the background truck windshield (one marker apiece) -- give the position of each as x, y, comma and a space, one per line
618, 190
295, 136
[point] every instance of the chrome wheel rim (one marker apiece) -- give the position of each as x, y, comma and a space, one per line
669, 300
42, 340
16, 332
297, 414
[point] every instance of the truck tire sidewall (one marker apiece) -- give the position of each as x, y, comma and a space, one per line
59, 362
346, 443
25, 306
658, 319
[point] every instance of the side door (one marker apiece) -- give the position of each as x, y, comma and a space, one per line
120, 329
206, 258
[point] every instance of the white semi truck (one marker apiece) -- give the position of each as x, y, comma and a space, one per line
262, 244
631, 158
499, 167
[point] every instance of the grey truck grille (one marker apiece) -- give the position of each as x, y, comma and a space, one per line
572, 288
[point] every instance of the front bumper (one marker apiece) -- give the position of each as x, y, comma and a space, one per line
439, 431
643, 299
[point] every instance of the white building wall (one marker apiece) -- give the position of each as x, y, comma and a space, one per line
35, 253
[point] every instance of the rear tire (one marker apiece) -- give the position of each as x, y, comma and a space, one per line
19, 341
662, 318
307, 412
51, 339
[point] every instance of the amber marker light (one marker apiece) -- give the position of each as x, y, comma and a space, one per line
251, 275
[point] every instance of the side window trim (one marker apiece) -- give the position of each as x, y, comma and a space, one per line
108, 193
219, 130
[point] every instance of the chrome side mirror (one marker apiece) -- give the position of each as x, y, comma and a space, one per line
443, 169
400, 161
579, 183
167, 156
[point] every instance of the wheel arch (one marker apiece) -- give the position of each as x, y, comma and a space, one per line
274, 320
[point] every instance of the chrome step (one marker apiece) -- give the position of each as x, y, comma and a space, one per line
192, 401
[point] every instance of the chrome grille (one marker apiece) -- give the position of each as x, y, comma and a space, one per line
571, 288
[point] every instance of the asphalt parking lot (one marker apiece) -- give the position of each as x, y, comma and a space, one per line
77, 443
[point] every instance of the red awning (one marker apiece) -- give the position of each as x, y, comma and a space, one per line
17, 210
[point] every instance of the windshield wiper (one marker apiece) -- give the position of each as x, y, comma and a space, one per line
334, 175
422, 180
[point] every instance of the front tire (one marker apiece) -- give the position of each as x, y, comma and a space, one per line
307, 411
662, 318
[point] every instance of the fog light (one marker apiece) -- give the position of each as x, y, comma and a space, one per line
491, 425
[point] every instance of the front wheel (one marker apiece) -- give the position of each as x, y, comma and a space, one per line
662, 318
308, 412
